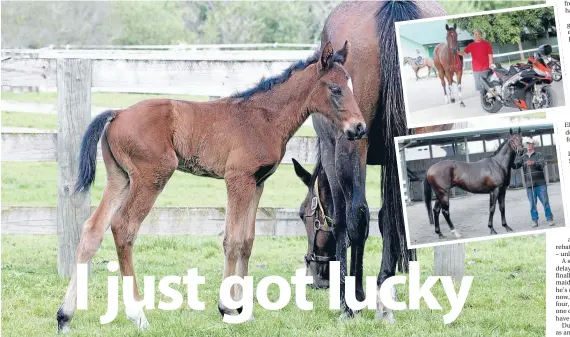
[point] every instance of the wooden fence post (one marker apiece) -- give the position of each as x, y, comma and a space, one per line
449, 260
74, 115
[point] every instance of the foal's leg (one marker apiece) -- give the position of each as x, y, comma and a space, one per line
146, 183
93, 232
441, 74
493, 202
243, 259
502, 192
445, 211
242, 191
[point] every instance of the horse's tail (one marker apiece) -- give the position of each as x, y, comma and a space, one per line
390, 120
427, 199
88, 153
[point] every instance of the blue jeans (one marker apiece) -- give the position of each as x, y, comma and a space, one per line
541, 193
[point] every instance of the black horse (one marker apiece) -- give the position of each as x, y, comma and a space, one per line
489, 175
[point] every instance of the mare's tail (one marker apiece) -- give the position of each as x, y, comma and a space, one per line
390, 121
427, 199
88, 154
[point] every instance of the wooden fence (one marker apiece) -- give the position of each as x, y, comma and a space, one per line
75, 74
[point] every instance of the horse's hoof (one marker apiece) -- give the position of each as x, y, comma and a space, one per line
63, 321
509, 229
225, 311
441, 236
453, 100
347, 315
462, 105
493, 232
385, 316
456, 233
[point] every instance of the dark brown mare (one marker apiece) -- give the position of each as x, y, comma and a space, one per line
489, 175
241, 139
428, 62
448, 62
376, 79
316, 212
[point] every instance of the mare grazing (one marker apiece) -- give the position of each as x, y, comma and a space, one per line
241, 139
489, 175
375, 75
316, 211
428, 62
449, 62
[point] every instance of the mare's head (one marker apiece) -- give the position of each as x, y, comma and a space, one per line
452, 37
516, 142
333, 95
321, 248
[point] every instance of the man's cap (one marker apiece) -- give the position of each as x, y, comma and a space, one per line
527, 140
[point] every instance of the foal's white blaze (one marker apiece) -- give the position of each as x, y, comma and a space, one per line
350, 84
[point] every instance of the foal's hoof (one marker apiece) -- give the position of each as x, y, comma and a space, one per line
385, 316
493, 231
462, 105
509, 229
441, 236
63, 322
456, 233
225, 311
453, 100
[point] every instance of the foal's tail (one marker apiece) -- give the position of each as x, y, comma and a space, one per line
88, 154
427, 199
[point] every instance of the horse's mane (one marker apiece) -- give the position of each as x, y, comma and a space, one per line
266, 84
501, 145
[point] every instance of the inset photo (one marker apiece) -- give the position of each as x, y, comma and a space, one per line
474, 184
461, 67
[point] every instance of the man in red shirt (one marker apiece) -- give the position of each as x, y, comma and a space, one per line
482, 58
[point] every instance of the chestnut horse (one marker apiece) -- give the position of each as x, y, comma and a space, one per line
241, 139
448, 62
489, 175
428, 62
375, 73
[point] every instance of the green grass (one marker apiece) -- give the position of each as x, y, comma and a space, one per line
507, 297
35, 184
105, 99
29, 120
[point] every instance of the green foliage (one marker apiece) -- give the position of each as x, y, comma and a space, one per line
472, 6
144, 22
510, 27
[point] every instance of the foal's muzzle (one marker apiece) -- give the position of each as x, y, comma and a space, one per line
356, 132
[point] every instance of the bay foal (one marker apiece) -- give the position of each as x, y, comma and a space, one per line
240, 139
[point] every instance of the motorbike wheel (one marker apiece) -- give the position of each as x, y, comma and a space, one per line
491, 105
547, 95
556, 72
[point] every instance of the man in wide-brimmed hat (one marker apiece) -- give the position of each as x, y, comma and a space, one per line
533, 165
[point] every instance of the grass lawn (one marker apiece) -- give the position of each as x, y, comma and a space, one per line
105, 99
507, 297
35, 184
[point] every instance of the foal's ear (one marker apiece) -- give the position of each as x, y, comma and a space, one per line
446, 26
455, 26
343, 53
301, 172
520, 131
511, 130
326, 57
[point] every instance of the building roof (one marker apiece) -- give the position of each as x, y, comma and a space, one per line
535, 129
431, 32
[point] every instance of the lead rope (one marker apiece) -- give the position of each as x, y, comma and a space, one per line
325, 217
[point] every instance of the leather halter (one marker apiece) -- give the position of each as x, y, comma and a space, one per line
327, 226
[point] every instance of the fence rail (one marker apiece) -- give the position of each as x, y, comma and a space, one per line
194, 221
43, 146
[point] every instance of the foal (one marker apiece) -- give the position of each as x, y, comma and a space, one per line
240, 139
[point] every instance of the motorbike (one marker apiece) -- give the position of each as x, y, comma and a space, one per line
553, 61
522, 86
